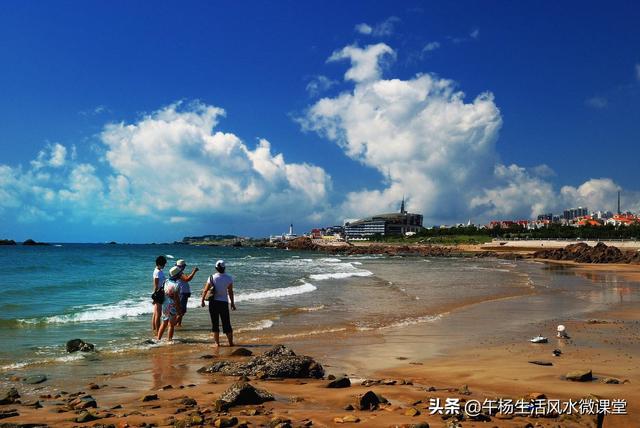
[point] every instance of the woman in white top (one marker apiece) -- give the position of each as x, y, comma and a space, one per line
219, 291
156, 297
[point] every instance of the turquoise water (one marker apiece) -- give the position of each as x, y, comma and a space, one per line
101, 293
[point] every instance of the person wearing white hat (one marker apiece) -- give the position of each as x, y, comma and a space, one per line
171, 308
185, 289
218, 290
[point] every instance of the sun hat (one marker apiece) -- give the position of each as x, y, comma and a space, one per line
220, 263
175, 271
181, 263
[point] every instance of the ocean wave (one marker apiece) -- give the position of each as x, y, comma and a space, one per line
339, 275
277, 292
310, 333
102, 312
256, 326
403, 322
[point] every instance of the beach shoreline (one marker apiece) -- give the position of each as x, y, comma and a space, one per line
489, 365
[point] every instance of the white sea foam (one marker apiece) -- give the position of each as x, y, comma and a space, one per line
256, 326
169, 256
339, 275
310, 333
277, 292
311, 308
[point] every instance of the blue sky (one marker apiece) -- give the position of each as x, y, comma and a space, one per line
112, 122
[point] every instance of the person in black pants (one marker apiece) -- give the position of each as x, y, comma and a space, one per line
218, 290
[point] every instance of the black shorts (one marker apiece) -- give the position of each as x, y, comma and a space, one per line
220, 309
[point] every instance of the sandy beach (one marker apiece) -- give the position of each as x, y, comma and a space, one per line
479, 350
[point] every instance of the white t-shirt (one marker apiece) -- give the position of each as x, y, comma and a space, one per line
220, 283
157, 273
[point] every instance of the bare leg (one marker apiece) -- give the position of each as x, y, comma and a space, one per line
172, 325
230, 338
216, 338
163, 326
157, 316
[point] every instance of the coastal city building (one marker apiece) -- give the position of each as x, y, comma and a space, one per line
391, 224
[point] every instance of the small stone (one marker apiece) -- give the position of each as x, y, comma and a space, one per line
189, 402
368, 401
338, 420
537, 396
503, 416
464, 390
541, 363
331, 377
350, 418
93, 386
166, 387
9, 396
580, 375
241, 352
35, 379
342, 382
610, 380
279, 421
149, 397
411, 411
389, 382
8, 413
349, 407
420, 425
86, 417
35, 404
198, 420
207, 357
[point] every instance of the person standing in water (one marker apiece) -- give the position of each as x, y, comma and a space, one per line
218, 290
185, 289
171, 308
157, 295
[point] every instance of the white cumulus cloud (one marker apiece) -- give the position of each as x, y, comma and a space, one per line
431, 143
169, 166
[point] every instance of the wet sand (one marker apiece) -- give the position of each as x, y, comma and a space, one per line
483, 345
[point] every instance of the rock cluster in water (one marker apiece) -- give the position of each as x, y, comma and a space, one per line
279, 362
75, 345
583, 253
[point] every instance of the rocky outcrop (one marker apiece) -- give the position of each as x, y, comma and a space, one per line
9, 396
242, 393
279, 362
7, 242
32, 242
75, 345
583, 253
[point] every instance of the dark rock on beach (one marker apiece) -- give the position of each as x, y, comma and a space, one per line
583, 253
7, 242
9, 396
369, 401
579, 375
8, 413
279, 362
242, 393
35, 379
75, 345
341, 382
241, 352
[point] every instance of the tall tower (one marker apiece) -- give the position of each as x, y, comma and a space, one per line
619, 212
402, 211
291, 229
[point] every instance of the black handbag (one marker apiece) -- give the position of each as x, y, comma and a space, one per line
158, 295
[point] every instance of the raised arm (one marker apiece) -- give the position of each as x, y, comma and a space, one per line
189, 277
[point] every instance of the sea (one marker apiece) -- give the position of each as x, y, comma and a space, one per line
100, 293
